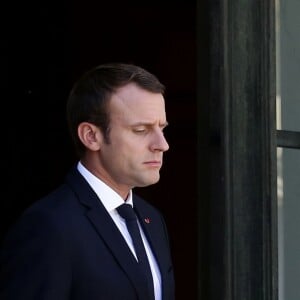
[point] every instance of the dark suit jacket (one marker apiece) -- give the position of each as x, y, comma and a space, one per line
67, 247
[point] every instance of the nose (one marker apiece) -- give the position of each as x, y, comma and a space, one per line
159, 142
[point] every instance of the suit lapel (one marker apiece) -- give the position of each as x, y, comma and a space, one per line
118, 247
107, 230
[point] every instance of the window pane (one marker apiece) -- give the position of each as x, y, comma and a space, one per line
289, 224
288, 44
288, 164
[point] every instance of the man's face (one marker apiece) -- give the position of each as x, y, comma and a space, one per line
134, 155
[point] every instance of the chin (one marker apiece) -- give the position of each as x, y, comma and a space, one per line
154, 180
148, 182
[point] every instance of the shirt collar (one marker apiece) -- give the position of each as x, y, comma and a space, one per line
109, 198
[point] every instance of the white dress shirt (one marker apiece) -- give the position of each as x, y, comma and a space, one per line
111, 200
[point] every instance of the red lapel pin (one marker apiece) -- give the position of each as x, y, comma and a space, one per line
147, 220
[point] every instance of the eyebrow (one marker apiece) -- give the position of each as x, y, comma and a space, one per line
165, 124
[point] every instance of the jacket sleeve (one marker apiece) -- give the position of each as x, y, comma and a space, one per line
33, 261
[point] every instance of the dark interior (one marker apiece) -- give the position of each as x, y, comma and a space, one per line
45, 46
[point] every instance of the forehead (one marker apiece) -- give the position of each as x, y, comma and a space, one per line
132, 102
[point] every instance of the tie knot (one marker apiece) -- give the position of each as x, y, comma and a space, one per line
126, 212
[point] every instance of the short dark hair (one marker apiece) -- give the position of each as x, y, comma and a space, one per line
89, 96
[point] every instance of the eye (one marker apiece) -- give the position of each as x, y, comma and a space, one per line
140, 130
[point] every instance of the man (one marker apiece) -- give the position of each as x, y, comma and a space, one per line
73, 244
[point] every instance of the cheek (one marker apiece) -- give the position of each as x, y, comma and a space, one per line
128, 147
131, 146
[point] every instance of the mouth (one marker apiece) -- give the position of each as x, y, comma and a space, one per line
153, 163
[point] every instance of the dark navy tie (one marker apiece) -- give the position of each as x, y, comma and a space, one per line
126, 211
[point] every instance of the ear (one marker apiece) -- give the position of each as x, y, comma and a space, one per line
90, 135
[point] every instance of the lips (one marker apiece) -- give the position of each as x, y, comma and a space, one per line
153, 163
